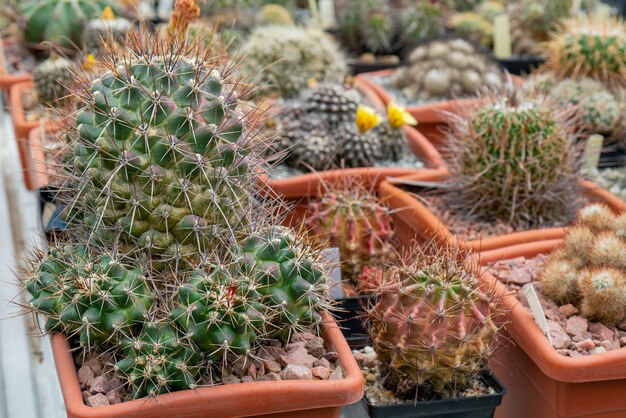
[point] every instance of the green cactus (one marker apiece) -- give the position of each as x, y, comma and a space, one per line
432, 327
53, 79
61, 21
540, 17
473, 25
589, 46
274, 14
593, 262
95, 298
289, 58
158, 360
107, 25
514, 159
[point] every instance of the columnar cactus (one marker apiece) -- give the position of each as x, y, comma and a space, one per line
433, 327
589, 46
513, 158
590, 268
53, 79
61, 21
354, 221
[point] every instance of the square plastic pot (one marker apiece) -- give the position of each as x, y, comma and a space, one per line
482, 406
413, 220
274, 399
309, 184
540, 382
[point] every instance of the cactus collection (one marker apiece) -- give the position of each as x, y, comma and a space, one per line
590, 268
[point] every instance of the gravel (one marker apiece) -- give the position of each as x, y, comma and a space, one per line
611, 179
399, 96
571, 334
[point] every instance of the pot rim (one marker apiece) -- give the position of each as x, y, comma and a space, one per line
6, 79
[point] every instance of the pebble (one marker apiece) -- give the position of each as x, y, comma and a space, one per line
576, 326
272, 366
585, 345
601, 331
100, 384
321, 372
298, 356
296, 372
568, 310
315, 346
560, 339
97, 400
85, 375
271, 376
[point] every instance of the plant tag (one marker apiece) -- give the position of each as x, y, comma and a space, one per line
576, 7
593, 148
332, 257
537, 310
327, 13
502, 36
315, 12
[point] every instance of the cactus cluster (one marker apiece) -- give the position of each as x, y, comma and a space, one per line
61, 22
433, 326
446, 68
287, 58
589, 270
513, 158
589, 46
327, 127
381, 28
53, 79
354, 221
171, 260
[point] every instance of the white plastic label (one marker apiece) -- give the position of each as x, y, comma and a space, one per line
332, 257
537, 310
593, 149
502, 36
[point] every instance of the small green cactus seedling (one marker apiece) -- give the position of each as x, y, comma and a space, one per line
589, 46
590, 268
513, 158
433, 327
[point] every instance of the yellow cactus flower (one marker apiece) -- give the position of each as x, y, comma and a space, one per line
367, 118
89, 62
398, 116
107, 13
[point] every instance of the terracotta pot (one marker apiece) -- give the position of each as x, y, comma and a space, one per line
36, 176
539, 381
431, 116
414, 218
309, 184
276, 399
18, 114
6, 79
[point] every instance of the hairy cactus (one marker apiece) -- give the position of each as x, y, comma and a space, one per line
105, 27
158, 360
53, 79
513, 158
442, 69
590, 268
589, 46
474, 26
275, 14
60, 21
354, 221
289, 58
433, 327
96, 298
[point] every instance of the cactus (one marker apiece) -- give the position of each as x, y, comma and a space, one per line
94, 297
420, 20
391, 137
474, 26
53, 79
275, 14
433, 327
589, 46
513, 158
60, 21
442, 69
540, 17
590, 268
108, 25
354, 221
289, 58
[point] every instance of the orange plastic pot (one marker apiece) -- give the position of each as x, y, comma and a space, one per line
7, 80
18, 114
36, 176
540, 382
430, 117
309, 184
275, 399
414, 218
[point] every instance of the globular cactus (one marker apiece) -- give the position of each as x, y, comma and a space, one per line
288, 58
53, 79
354, 221
96, 298
334, 103
106, 28
524, 42
513, 158
540, 17
474, 26
589, 46
60, 21
418, 21
433, 326
274, 14
158, 360
590, 268
389, 132
359, 146
489, 10
443, 69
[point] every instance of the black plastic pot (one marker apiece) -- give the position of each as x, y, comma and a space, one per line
483, 406
612, 157
358, 67
349, 316
521, 65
